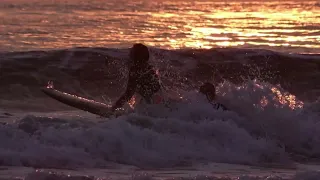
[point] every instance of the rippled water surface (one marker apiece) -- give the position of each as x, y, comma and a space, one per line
292, 26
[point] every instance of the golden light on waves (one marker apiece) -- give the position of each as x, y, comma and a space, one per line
240, 24
170, 24
283, 98
288, 99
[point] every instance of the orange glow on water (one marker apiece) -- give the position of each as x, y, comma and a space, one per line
266, 25
288, 99
166, 24
283, 98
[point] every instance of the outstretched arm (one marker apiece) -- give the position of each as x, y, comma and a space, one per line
131, 88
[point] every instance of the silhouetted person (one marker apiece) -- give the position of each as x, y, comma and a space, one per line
142, 77
209, 90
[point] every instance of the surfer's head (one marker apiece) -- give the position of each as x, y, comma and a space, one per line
209, 90
139, 54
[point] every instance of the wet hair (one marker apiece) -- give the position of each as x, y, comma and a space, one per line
139, 53
209, 90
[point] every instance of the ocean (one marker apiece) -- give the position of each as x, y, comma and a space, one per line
291, 26
263, 57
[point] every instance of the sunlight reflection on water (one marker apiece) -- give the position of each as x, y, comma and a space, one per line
293, 25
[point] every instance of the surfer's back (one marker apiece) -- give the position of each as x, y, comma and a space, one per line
142, 77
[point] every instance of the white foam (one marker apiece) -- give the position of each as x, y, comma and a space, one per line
186, 133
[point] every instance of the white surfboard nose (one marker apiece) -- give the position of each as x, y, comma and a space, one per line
50, 85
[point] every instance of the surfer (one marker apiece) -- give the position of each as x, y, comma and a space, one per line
209, 90
142, 77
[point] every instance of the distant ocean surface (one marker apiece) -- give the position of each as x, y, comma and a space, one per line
288, 26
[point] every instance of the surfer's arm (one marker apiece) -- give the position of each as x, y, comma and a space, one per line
131, 88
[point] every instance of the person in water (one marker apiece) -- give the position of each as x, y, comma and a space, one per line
209, 90
142, 77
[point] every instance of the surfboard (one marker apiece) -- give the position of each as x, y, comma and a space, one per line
92, 106
78, 102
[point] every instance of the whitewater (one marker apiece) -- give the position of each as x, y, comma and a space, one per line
265, 65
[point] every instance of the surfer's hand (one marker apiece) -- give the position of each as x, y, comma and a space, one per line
113, 108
